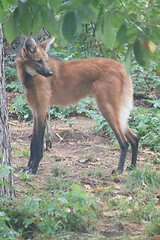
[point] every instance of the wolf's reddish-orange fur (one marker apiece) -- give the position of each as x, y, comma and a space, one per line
104, 79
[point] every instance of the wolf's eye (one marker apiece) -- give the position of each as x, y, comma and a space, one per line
39, 61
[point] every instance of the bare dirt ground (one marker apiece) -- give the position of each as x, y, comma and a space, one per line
89, 159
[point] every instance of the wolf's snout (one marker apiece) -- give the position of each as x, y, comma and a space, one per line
47, 74
50, 73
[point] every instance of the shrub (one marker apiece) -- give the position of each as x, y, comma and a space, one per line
20, 108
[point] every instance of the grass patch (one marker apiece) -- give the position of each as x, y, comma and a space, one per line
60, 171
145, 177
138, 200
138, 207
23, 153
153, 228
58, 184
26, 217
95, 173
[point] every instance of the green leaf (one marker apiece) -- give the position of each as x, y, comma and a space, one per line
122, 34
10, 31
107, 3
31, 204
128, 61
70, 5
16, 18
5, 170
95, 3
5, 4
76, 3
37, 22
141, 54
55, 4
89, 13
22, 6
2, 13
26, 21
36, 8
48, 20
132, 33
32, 3
99, 33
69, 26
63, 200
28, 222
117, 19
155, 30
78, 23
109, 34
60, 38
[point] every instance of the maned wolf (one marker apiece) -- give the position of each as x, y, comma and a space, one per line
49, 81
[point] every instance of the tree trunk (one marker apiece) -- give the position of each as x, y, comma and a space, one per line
5, 149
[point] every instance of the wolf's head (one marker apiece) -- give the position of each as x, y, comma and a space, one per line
36, 57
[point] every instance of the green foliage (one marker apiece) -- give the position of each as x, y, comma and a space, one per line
143, 122
146, 81
143, 177
22, 153
136, 208
59, 184
69, 26
101, 125
141, 54
20, 108
10, 71
14, 86
109, 34
153, 228
61, 113
128, 60
112, 24
85, 107
4, 173
71, 210
12, 83
6, 233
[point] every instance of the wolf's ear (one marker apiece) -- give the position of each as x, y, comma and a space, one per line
30, 46
47, 43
